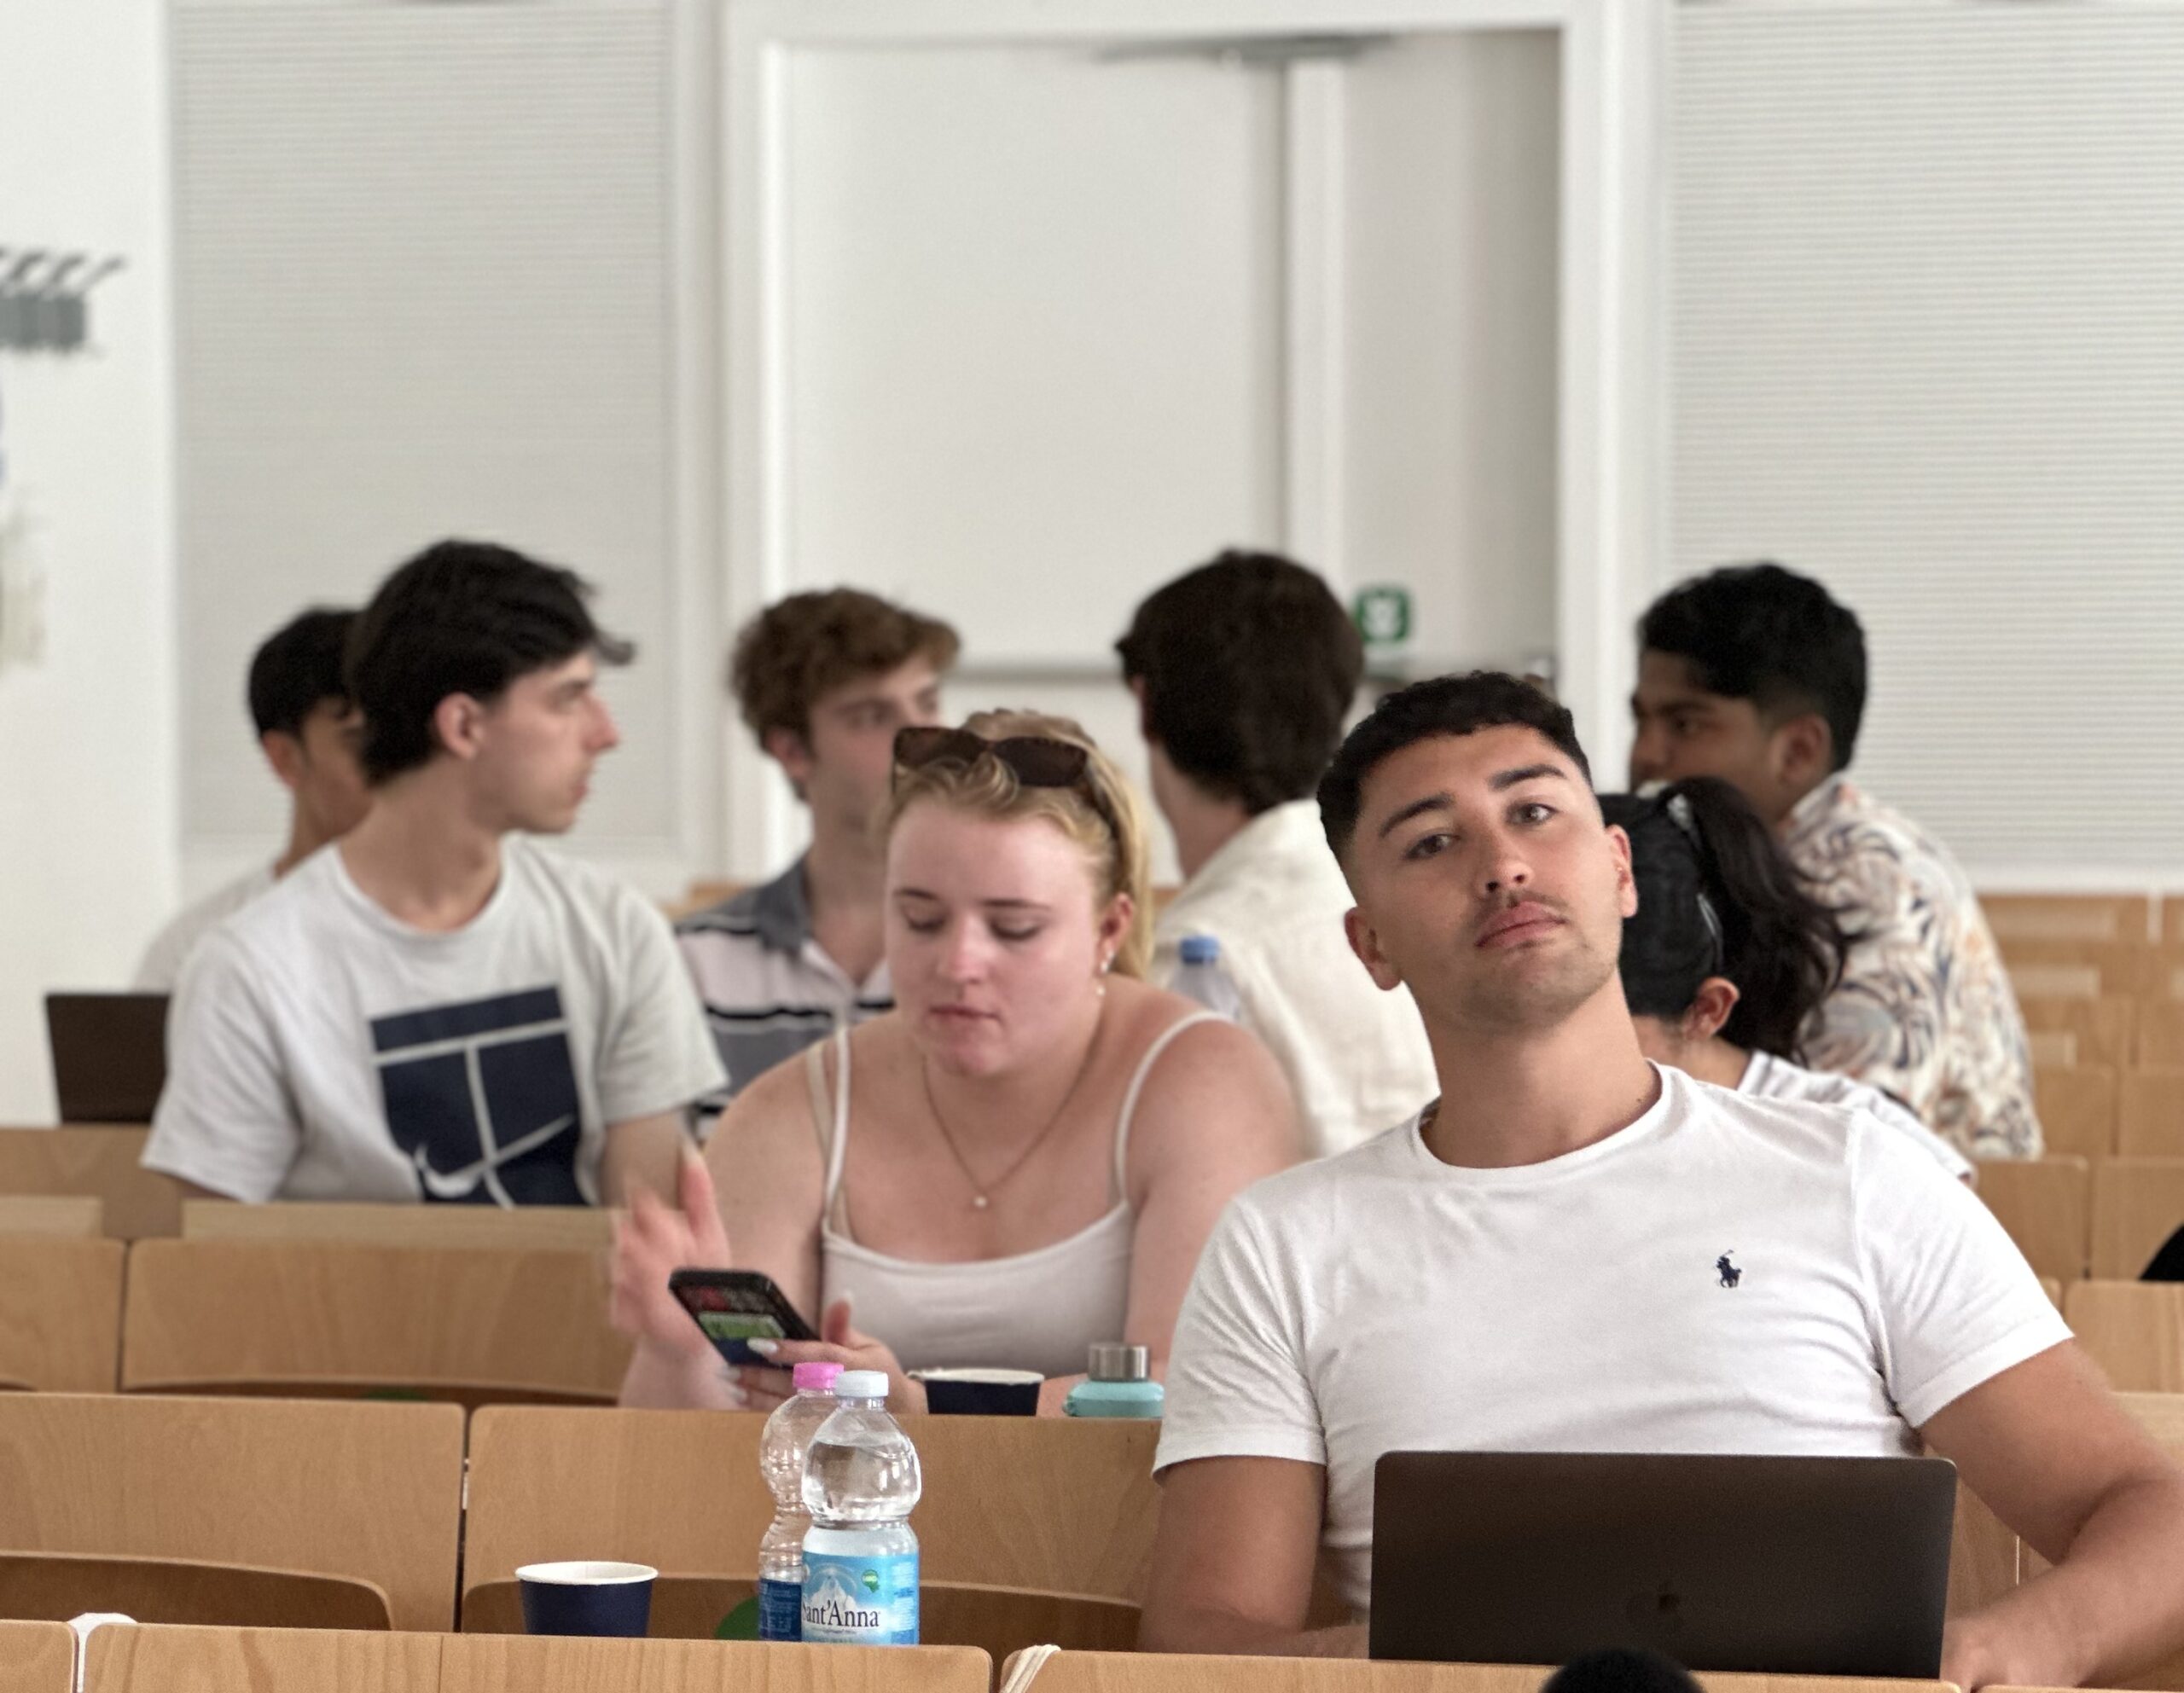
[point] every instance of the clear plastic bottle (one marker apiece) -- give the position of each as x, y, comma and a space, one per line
782, 1449
1202, 978
860, 1481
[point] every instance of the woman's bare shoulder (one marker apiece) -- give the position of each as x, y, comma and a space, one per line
1214, 1081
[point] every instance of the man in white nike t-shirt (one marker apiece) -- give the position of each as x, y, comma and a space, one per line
434, 1007
1576, 1250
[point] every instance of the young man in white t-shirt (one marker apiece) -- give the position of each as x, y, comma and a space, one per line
434, 1008
1575, 1250
308, 729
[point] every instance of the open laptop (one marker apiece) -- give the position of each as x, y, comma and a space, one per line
109, 1054
1787, 1566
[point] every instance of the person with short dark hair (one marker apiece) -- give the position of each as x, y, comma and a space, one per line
1727, 954
1244, 670
824, 679
1573, 1249
308, 729
434, 1007
1757, 675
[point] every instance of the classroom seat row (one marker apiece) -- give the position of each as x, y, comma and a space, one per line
101, 1162
2073, 1218
475, 1324
2097, 1112
188, 1510
444, 1302
37, 1658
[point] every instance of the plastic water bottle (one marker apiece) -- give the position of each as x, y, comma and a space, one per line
1203, 979
781, 1449
861, 1482
1119, 1384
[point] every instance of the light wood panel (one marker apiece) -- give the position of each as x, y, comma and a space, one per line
368, 1491
2136, 969
502, 1663
69, 1215
2137, 1204
154, 1660
1049, 1503
1118, 1673
2069, 917
37, 1657
474, 1324
314, 1661
550, 1228
2161, 1030
98, 1161
60, 1313
2077, 1110
2047, 1206
59, 1586
1982, 1556
2097, 1030
2150, 1114
2134, 1330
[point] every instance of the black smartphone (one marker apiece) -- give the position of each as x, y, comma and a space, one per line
733, 1307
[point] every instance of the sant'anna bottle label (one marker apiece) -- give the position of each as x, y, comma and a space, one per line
850, 1600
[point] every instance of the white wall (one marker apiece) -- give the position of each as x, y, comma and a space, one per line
87, 799
1929, 347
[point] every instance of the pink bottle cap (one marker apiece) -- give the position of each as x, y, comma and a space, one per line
815, 1378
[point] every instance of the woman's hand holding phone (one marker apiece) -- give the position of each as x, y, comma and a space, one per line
837, 1343
652, 1241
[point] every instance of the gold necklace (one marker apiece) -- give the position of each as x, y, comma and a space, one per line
981, 1192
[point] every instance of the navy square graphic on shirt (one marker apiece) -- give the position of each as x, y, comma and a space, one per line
482, 1096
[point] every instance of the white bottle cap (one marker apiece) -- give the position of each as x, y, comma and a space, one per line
861, 1384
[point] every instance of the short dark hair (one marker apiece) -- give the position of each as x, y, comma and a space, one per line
1445, 705
299, 667
1250, 666
462, 617
1718, 897
809, 644
1762, 633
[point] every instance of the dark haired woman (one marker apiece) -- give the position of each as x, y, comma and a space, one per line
1728, 954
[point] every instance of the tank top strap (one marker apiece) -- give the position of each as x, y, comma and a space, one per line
830, 1117
1161, 1045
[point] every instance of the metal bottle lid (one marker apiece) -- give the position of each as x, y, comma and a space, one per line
1113, 1361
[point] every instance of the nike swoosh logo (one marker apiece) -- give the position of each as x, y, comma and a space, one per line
460, 1184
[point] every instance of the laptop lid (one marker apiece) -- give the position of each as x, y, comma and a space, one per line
109, 1054
1785, 1566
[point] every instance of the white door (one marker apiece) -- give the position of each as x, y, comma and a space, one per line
1027, 313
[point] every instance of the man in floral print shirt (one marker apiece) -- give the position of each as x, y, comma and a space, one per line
1755, 675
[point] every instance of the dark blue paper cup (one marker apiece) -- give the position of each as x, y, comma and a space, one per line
981, 1392
586, 1598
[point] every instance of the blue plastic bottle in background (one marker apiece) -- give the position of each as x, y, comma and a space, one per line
860, 1481
1203, 979
782, 1449
1119, 1384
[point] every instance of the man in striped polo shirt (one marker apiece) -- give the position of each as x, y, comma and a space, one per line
824, 679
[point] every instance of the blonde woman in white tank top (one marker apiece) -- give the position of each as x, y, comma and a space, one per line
1025, 1155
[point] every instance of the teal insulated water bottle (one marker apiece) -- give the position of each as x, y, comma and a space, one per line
1120, 1384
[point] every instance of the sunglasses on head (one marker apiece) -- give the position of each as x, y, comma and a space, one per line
1035, 761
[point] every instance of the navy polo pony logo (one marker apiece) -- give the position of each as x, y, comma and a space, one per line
1730, 1274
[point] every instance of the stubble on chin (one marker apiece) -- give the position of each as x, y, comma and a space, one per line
1529, 995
